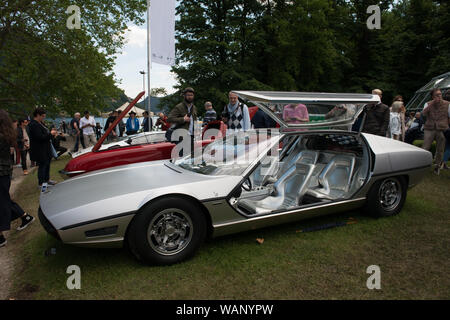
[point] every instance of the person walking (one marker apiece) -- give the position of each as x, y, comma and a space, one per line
437, 112
235, 114
23, 142
40, 138
76, 132
9, 210
87, 125
132, 124
377, 117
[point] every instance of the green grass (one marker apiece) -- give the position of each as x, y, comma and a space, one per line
412, 250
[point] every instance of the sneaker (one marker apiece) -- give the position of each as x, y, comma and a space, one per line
51, 182
2, 241
26, 220
444, 166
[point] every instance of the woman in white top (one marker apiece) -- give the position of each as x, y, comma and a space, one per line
395, 123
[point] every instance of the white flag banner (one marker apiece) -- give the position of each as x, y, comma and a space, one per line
162, 24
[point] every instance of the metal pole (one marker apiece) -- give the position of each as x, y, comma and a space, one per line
149, 56
143, 88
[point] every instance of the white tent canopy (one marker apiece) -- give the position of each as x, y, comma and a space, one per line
138, 111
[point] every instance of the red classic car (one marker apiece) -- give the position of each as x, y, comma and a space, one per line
142, 147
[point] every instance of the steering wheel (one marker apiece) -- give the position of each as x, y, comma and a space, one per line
247, 185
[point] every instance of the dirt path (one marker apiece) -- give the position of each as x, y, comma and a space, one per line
7, 252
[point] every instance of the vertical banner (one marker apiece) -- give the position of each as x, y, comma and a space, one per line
162, 24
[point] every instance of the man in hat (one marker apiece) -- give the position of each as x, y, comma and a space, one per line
184, 114
132, 124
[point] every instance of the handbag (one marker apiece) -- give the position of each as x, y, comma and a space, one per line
169, 132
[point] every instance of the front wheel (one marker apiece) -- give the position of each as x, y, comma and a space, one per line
167, 231
387, 197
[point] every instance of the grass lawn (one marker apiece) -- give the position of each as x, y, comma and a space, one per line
411, 249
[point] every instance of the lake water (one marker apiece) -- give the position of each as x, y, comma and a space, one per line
57, 122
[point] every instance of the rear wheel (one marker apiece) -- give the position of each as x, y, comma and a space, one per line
387, 197
167, 231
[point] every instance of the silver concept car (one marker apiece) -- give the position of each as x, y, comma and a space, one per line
311, 166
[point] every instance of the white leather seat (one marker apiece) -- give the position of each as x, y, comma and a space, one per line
288, 191
305, 156
335, 178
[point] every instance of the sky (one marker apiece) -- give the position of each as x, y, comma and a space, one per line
134, 59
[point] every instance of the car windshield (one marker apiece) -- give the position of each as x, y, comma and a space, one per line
313, 114
144, 137
231, 155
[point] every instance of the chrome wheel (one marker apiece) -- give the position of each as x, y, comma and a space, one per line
390, 194
170, 231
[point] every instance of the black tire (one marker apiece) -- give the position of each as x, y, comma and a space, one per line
386, 197
169, 218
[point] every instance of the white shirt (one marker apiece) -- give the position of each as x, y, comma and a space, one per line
84, 121
191, 122
395, 123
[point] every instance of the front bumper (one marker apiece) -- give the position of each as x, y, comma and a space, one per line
47, 225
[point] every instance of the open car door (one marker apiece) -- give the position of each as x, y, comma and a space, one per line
310, 109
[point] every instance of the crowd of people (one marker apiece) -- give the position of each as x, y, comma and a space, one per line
432, 123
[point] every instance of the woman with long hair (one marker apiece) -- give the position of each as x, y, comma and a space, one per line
9, 210
402, 113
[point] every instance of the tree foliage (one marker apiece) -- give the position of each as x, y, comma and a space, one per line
308, 45
42, 62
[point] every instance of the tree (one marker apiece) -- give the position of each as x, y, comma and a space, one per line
42, 62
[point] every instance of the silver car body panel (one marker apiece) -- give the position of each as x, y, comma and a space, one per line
110, 192
394, 156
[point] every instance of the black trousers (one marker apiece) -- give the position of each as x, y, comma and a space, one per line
23, 157
43, 171
9, 210
60, 150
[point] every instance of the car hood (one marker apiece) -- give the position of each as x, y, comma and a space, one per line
123, 189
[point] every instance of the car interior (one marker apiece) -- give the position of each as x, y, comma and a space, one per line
310, 169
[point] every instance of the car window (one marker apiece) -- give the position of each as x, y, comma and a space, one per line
231, 155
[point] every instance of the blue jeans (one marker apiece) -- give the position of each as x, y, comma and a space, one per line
447, 150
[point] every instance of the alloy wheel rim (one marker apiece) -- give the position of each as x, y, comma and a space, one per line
170, 231
390, 194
